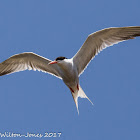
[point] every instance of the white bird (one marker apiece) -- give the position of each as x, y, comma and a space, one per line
69, 70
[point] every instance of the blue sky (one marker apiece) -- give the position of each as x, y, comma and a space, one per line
36, 102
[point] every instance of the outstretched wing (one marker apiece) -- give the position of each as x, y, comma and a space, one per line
30, 61
100, 40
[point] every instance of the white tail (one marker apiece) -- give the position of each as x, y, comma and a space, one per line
79, 93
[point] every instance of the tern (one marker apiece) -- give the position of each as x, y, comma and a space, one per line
69, 70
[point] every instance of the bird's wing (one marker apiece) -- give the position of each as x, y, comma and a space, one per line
30, 61
100, 40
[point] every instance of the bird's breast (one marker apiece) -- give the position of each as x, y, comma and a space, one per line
69, 74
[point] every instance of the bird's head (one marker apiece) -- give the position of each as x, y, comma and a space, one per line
58, 60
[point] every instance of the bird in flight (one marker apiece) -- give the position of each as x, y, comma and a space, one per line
69, 70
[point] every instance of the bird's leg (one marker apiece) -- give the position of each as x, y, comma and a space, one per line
77, 86
71, 89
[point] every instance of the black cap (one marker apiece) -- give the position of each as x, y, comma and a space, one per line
60, 58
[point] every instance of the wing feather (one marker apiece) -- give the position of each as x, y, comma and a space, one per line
28, 61
99, 40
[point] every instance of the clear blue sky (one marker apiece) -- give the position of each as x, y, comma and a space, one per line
36, 102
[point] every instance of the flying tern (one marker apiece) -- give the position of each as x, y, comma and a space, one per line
69, 70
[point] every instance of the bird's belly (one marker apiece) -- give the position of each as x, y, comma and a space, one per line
70, 78
71, 83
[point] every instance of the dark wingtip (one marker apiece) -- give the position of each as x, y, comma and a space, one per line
131, 37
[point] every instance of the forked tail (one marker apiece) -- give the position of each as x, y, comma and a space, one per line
79, 93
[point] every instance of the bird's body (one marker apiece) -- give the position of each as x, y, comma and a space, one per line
69, 70
69, 73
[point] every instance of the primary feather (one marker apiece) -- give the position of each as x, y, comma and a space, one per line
28, 61
100, 40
